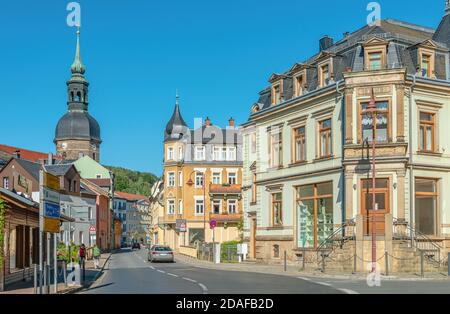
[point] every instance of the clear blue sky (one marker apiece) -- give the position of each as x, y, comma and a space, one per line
218, 53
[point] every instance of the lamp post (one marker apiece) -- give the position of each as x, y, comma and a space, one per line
191, 183
372, 111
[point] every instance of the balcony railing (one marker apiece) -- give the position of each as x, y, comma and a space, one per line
225, 189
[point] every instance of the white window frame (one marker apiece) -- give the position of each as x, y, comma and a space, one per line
171, 207
6, 183
170, 153
232, 203
231, 153
169, 176
180, 153
199, 174
198, 202
235, 177
199, 153
219, 177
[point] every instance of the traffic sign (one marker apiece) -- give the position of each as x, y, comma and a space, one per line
52, 210
51, 196
51, 225
181, 225
92, 229
51, 181
213, 224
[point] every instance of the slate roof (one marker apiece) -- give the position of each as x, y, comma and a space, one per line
77, 125
31, 167
58, 170
348, 53
176, 126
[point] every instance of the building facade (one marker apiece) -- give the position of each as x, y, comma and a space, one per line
307, 144
156, 209
202, 182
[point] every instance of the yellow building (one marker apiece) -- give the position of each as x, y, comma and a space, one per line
202, 182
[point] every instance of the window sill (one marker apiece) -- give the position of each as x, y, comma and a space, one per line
275, 168
280, 227
253, 203
427, 153
298, 163
326, 158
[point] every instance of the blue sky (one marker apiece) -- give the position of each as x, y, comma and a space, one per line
218, 53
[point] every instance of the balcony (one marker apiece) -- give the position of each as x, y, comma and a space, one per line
221, 218
225, 189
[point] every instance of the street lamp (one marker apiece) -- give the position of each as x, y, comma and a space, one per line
190, 183
371, 110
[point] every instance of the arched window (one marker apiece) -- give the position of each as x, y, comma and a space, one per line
78, 96
72, 96
85, 96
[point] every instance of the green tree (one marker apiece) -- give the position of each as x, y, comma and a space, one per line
133, 182
2, 230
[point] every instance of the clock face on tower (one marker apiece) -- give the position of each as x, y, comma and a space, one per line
94, 148
64, 145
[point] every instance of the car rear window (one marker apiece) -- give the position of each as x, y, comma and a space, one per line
162, 249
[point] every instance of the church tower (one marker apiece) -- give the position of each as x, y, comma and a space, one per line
77, 133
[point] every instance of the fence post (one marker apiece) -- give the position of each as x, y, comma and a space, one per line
354, 263
304, 258
285, 261
65, 273
422, 263
386, 263
323, 262
35, 278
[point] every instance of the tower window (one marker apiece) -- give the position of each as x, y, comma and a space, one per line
78, 96
72, 96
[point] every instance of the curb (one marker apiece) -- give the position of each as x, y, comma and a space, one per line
79, 289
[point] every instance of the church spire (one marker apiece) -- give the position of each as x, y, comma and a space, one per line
78, 66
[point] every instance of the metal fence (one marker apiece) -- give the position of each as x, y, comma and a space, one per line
229, 254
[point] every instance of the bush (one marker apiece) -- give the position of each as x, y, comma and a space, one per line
224, 249
63, 252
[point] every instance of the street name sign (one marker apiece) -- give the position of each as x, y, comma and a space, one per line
51, 225
52, 210
51, 196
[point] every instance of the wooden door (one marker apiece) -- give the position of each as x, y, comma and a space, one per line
370, 215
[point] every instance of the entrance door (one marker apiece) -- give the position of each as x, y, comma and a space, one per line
382, 208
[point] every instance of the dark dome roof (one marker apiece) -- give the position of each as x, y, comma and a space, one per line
176, 126
77, 125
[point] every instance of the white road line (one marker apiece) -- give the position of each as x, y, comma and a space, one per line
173, 275
348, 291
189, 279
152, 267
304, 278
161, 271
205, 290
324, 284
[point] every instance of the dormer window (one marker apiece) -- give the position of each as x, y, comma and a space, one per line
425, 67
375, 60
299, 84
325, 75
276, 97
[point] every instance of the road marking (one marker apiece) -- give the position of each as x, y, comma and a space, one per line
205, 290
161, 271
348, 291
152, 267
189, 279
304, 278
324, 284
173, 275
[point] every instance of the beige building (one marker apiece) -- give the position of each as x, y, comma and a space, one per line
202, 182
307, 171
156, 210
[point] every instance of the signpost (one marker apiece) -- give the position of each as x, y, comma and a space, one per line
213, 225
181, 225
49, 223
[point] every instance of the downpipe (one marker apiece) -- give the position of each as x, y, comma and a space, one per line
412, 193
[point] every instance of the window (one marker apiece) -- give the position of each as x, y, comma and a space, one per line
325, 139
199, 207
276, 95
170, 155
180, 179
180, 207
90, 216
426, 65
231, 153
232, 206
180, 153
217, 155
427, 132
276, 150
217, 178
171, 179
382, 122
6, 183
171, 207
325, 75
253, 142
427, 206
315, 214
277, 209
199, 180
375, 61
99, 176
232, 178
254, 194
299, 84
216, 206
300, 144
200, 153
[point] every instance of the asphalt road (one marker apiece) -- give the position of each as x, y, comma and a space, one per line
129, 273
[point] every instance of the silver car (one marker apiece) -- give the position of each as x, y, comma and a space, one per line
161, 253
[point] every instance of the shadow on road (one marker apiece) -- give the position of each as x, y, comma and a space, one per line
99, 287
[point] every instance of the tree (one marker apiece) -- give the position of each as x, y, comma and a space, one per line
133, 182
3, 207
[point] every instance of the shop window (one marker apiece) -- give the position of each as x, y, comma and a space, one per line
315, 212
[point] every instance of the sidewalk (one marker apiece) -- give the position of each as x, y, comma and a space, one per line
295, 271
92, 275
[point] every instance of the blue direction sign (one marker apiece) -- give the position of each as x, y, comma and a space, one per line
52, 210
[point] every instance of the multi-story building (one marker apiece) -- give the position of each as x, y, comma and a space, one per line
202, 182
120, 211
156, 210
307, 170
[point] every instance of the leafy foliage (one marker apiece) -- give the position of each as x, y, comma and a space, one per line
133, 182
2, 230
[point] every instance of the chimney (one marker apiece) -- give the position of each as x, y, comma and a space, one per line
325, 42
231, 121
207, 122
17, 154
346, 34
50, 159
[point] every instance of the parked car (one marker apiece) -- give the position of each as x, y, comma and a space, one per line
161, 253
136, 246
